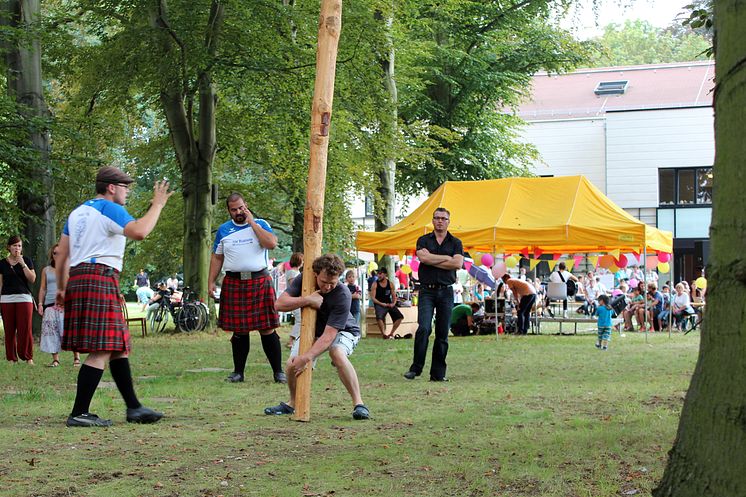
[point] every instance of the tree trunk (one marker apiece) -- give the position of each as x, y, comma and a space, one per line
385, 216
196, 154
25, 84
298, 215
708, 455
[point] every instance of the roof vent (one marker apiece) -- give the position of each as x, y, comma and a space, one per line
611, 87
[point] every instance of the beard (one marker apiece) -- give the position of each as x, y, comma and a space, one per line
240, 218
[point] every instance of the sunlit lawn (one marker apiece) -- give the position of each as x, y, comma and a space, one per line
522, 416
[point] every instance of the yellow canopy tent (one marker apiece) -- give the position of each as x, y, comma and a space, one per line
555, 215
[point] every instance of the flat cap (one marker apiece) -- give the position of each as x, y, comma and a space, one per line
113, 175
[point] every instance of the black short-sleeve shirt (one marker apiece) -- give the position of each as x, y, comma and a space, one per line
431, 275
12, 282
334, 310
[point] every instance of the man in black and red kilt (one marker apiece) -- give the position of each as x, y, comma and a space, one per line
247, 297
90, 255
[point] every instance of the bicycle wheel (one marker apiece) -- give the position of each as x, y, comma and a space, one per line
159, 320
188, 318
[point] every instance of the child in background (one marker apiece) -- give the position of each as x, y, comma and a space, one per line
603, 311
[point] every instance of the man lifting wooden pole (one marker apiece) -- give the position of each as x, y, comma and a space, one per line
330, 24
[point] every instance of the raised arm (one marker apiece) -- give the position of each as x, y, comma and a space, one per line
140, 228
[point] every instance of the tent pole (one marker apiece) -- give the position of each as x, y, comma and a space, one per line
645, 289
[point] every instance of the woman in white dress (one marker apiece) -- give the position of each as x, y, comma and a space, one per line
53, 316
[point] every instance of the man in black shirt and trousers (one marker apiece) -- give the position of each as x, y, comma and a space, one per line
440, 255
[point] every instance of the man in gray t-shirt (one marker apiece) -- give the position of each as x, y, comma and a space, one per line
336, 331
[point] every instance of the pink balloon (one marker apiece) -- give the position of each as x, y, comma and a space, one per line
622, 261
499, 270
633, 283
487, 260
415, 265
664, 257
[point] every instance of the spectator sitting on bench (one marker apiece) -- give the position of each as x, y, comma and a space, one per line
462, 321
384, 301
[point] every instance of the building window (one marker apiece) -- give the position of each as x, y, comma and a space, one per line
368, 206
685, 186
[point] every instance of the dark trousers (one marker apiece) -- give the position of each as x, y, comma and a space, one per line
440, 303
524, 313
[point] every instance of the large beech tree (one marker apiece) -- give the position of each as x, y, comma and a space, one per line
708, 456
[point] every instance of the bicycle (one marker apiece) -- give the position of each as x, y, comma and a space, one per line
192, 315
159, 318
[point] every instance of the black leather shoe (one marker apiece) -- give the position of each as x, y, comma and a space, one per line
438, 379
281, 377
143, 415
235, 378
410, 375
87, 420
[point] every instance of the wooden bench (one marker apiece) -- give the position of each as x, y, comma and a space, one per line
574, 321
408, 324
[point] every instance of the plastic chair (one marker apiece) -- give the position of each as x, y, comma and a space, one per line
556, 292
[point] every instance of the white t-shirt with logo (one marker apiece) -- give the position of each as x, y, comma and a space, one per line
96, 231
240, 247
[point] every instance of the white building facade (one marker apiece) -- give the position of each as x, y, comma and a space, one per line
644, 135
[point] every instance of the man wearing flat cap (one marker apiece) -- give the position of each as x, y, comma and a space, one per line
89, 260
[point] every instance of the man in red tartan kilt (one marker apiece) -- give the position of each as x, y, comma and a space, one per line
247, 298
90, 255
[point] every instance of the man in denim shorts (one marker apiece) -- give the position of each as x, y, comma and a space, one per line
336, 331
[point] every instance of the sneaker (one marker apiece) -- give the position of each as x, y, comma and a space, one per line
281, 408
235, 378
280, 377
444, 379
604, 348
360, 412
564, 314
598, 345
410, 375
143, 415
88, 420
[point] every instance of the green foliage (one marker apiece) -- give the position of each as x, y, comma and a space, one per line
639, 42
462, 61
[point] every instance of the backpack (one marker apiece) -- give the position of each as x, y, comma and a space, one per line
572, 287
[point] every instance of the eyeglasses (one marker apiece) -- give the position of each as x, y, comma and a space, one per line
439, 218
123, 185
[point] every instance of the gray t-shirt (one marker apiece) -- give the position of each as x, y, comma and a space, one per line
334, 310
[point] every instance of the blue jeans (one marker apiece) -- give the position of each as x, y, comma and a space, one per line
440, 303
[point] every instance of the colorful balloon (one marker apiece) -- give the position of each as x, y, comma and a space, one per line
663, 267
372, 266
511, 261
406, 269
487, 260
415, 265
499, 269
664, 257
606, 261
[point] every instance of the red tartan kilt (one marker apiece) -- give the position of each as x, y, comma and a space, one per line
247, 305
93, 313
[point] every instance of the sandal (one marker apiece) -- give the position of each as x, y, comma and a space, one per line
76, 363
54, 364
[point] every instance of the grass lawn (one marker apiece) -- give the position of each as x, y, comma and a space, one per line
522, 416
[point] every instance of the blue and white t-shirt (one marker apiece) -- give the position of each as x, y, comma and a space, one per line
240, 247
96, 231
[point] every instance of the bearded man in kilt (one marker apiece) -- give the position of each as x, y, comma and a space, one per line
247, 297
90, 254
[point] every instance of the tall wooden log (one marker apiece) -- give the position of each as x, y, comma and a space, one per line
330, 25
